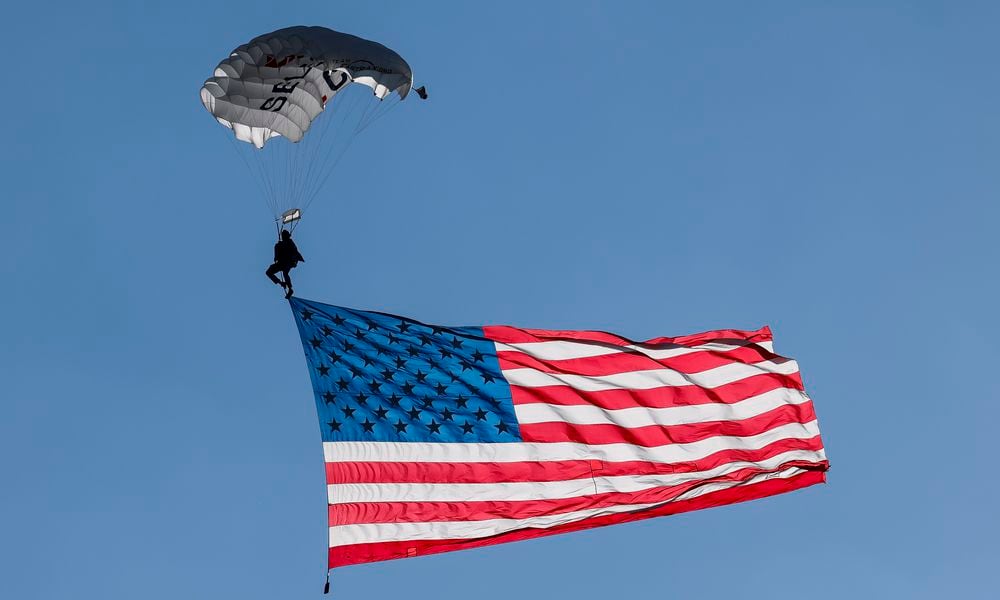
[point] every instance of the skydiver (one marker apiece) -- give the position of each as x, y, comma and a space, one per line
286, 257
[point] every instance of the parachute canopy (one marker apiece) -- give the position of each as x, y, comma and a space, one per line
279, 82
282, 84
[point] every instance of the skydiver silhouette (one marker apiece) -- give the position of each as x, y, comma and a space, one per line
286, 257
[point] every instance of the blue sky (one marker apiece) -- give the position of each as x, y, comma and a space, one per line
829, 169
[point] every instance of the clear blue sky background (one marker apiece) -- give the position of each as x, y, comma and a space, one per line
830, 169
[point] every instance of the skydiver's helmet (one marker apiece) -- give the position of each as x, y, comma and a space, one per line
286, 235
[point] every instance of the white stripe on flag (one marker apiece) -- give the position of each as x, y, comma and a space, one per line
649, 379
528, 452
563, 350
588, 414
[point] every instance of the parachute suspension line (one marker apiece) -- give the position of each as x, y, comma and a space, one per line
293, 158
384, 108
368, 117
298, 158
232, 141
348, 105
260, 172
293, 174
365, 115
316, 144
334, 153
341, 107
308, 154
270, 158
310, 148
266, 176
289, 183
270, 193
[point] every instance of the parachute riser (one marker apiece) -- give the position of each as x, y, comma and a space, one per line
288, 220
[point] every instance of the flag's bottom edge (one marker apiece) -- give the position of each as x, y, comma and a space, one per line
365, 553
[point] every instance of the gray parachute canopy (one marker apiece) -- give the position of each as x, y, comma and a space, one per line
278, 83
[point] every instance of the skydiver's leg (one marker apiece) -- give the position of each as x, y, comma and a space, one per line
288, 282
271, 272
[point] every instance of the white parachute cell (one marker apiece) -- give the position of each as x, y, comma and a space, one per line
280, 85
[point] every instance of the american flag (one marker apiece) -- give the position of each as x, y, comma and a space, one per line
443, 438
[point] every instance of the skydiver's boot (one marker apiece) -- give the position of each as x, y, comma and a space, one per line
288, 294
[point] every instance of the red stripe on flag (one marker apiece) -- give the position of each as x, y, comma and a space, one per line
662, 397
482, 510
563, 470
513, 335
658, 435
626, 361
443, 472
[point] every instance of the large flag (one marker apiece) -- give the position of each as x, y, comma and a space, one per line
442, 438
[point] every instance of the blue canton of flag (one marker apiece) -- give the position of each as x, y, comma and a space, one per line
382, 378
